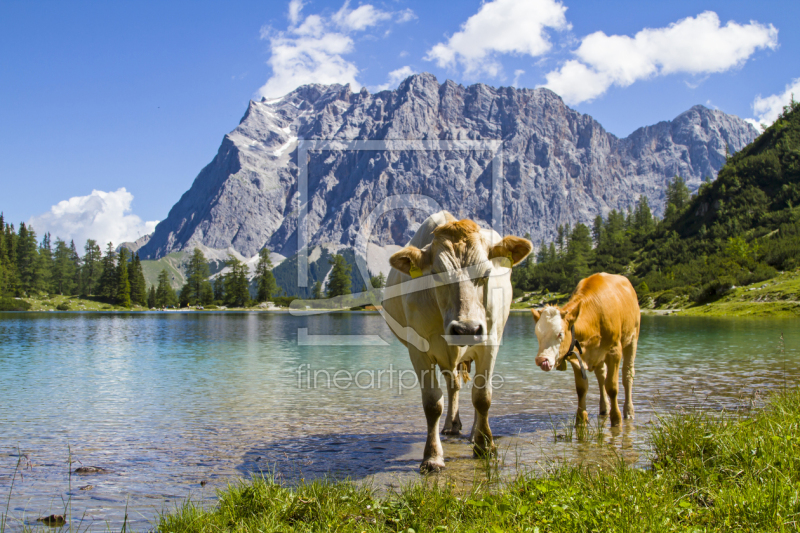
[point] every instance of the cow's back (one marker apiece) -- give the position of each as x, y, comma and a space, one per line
608, 306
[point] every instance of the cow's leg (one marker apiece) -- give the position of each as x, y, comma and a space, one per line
482, 441
600, 373
433, 405
612, 383
628, 357
452, 423
581, 387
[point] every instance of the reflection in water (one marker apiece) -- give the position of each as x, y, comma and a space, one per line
167, 401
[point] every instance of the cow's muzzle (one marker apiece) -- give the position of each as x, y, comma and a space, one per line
465, 333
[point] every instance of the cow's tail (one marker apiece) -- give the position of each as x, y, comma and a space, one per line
464, 369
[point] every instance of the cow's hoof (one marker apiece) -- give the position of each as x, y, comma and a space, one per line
432, 465
603, 413
490, 451
451, 431
629, 416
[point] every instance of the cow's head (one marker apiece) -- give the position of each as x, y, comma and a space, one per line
553, 331
459, 259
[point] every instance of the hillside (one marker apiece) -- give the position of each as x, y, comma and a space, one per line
715, 246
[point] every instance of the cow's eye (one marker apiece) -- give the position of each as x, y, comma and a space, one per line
560, 336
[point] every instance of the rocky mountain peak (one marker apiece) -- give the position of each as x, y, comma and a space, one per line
558, 165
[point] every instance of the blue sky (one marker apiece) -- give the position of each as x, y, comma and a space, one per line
138, 95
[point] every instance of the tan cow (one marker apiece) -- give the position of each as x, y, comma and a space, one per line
447, 299
604, 313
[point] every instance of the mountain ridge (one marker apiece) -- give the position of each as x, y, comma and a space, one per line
559, 165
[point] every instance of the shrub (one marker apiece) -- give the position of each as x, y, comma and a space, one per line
665, 298
517, 293
283, 301
12, 304
64, 306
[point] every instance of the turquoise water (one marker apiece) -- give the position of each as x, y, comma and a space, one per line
175, 405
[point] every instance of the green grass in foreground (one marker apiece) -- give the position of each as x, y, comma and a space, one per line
710, 472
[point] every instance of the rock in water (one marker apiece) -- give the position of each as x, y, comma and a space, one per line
84, 470
53, 520
559, 165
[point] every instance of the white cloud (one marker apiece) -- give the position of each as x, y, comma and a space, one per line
395, 77
360, 18
312, 49
767, 109
295, 7
500, 27
694, 45
406, 15
517, 74
102, 216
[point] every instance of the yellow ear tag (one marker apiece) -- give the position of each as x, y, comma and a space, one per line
415, 271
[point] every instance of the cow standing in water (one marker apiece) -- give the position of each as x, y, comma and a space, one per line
602, 318
447, 299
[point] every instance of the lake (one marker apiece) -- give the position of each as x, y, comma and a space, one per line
176, 405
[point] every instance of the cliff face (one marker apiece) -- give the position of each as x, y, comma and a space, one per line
558, 165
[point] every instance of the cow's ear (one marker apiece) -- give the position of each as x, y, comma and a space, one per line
536, 314
410, 256
515, 248
570, 316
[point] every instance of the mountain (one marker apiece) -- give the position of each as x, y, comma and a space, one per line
559, 165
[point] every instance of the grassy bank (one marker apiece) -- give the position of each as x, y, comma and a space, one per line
778, 297
710, 472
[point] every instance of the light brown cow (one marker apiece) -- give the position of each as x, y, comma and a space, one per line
447, 299
604, 313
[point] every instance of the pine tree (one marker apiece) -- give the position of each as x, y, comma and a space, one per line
339, 279
219, 289
77, 271
579, 251
46, 266
137, 281
197, 273
317, 290
107, 284
123, 282
264, 277
63, 275
165, 294
237, 290
151, 297
678, 193
27, 261
92, 267
378, 282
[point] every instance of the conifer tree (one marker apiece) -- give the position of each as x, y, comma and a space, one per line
92, 267
27, 261
678, 193
107, 284
197, 273
165, 294
63, 275
267, 287
46, 266
317, 290
123, 282
219, 289
237, 290
339, 279
378, 282
137, 281
151, 297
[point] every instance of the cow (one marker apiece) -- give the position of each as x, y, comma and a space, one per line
447, 299
601, 321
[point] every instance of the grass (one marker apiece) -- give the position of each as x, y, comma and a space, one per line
710, 472
778, 297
